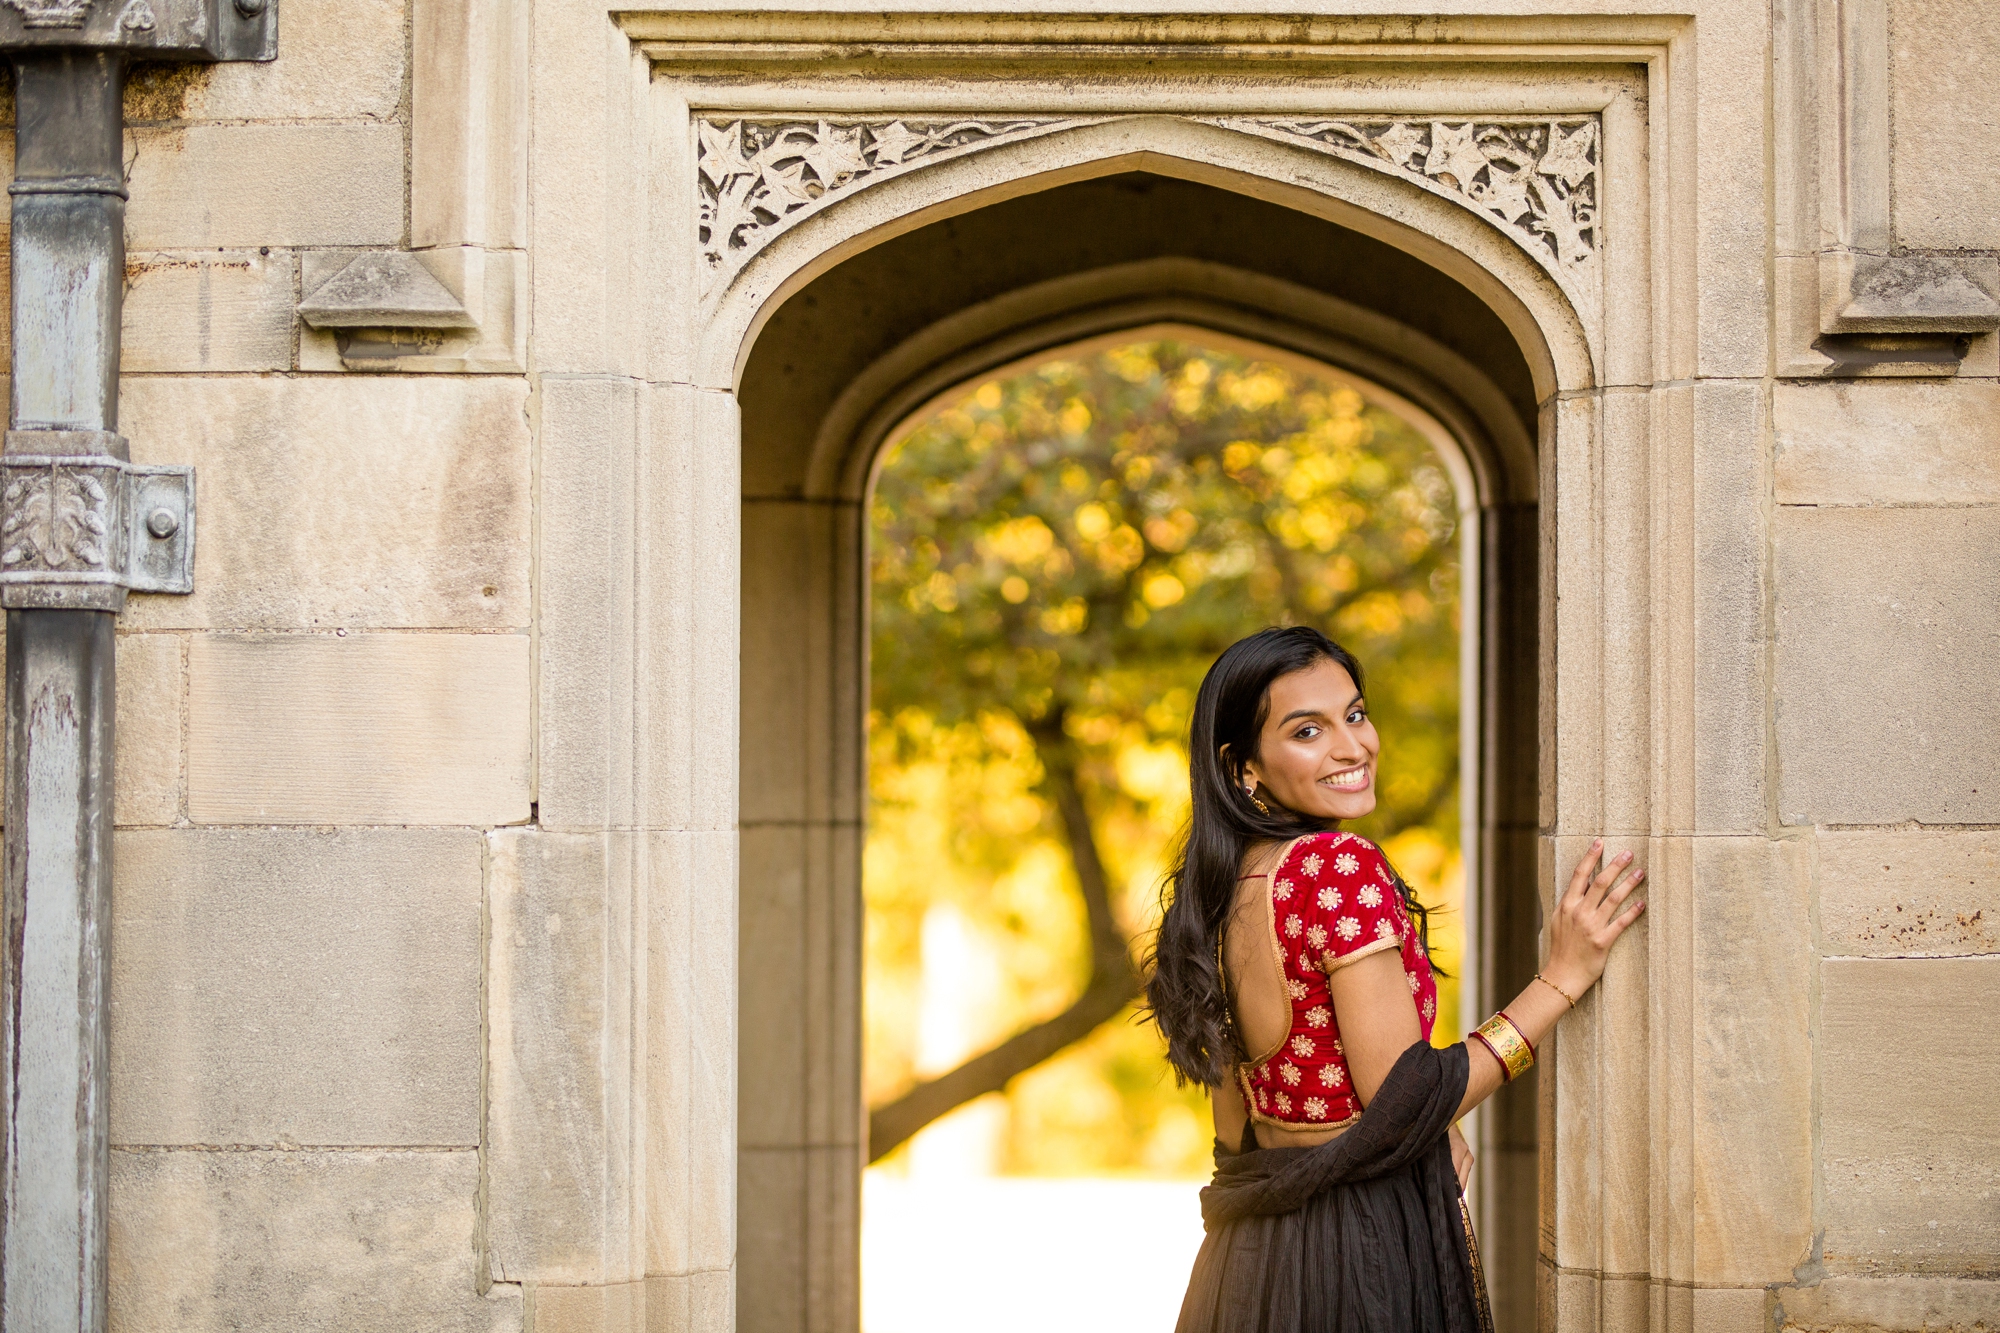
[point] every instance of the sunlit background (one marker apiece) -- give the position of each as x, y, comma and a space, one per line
1057, 557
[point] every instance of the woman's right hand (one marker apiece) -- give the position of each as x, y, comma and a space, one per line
1589, 918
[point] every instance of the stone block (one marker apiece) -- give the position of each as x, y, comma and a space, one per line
620, 1307
311, 1242
350, 503
1727, 1310
1730, 639
773, 995
690, 1067
336, 59
362, 729
698, 1302
559, 1091
587, 475
151, 687
217, 311
285, 987
1947, 167
1859, 443
1907, 1091
468, 123
771, 1241
230, 186
1926, 893
1901, 1303
1888, 646
1752, 1140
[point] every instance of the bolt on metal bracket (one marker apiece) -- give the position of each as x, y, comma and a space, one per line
80, 524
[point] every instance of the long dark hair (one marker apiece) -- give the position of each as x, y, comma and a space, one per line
1184, 991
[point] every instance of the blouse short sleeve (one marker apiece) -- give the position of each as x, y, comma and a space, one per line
1347, 900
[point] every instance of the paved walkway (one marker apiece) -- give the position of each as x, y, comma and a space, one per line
1004, 1254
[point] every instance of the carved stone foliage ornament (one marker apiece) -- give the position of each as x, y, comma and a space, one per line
1536, 178
757, 175
1539, 177
51, 13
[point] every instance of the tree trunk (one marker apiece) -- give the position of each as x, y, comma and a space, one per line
1114, 982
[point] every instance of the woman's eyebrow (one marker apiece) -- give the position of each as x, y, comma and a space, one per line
1313, 712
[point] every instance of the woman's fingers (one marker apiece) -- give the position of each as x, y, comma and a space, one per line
1627, 917
1613, 868
1579, 878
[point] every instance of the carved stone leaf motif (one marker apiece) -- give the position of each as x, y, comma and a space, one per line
51, 13
758, 174
1539, 177
55, 519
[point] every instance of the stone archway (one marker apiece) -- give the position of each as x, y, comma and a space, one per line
833, 363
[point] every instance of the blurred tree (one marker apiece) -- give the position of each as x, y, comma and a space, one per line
1056, 561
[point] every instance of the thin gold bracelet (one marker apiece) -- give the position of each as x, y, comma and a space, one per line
1557, 989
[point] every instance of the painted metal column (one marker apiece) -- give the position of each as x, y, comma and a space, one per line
80, 526
68, 270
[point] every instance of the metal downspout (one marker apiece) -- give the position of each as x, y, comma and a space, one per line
68, 271
80, 525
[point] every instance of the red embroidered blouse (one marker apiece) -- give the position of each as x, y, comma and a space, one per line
1331, 901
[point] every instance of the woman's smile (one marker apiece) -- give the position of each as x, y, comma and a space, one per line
1351, 779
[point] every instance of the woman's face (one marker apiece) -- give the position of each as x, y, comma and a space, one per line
1316, 755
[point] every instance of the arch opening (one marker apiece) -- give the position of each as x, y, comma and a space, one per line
837, 372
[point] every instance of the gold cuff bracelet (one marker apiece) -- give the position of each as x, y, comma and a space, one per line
1509, 1047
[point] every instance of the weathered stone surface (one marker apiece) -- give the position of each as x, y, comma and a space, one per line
255, 185
275, 986
1730, 682
1923, 442
362, 729
336, 58
1901, 1304
1909, 894
1752, 1138
588, 460
1947, 170
556, 1148
227, 311
676, 1303
151, 686
345, 502
1906, 1132
1722, 1310
1888, 646
340, 1242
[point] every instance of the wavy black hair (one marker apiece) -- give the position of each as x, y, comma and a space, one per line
1184, 991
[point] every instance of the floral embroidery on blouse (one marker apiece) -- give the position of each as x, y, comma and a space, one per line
1318, 876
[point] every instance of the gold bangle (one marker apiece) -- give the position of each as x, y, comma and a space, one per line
1557, 989
1502, 1038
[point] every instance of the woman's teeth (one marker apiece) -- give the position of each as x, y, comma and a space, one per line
1352, 780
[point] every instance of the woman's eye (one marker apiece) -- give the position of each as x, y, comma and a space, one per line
1307, 732
1356, 718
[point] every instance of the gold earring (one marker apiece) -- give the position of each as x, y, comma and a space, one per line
1250, 790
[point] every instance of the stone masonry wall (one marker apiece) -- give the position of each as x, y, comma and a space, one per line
314, 747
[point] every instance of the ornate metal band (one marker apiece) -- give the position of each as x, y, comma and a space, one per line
77, 530
1509, 1047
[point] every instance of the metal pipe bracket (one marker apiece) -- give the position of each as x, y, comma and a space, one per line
80, 526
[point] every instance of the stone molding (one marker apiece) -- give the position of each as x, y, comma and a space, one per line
1536, 178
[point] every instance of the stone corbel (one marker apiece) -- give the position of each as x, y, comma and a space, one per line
1880, 311
80, 525
405, 311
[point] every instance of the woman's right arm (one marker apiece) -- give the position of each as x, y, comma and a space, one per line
1589, 918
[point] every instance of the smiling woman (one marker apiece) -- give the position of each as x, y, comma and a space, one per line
1057, 555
